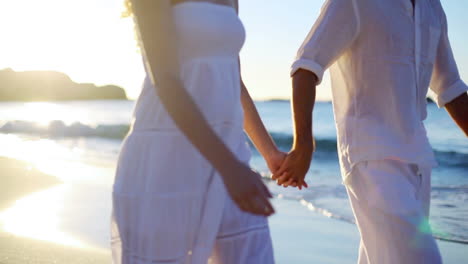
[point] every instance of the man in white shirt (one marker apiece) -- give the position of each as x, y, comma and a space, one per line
383, 56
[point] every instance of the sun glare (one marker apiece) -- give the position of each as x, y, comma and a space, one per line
29, 217
88, 40
42, 113
40, 215
55, 159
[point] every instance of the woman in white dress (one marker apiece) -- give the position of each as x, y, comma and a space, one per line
183, 191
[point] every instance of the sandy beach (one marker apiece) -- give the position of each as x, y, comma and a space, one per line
17, 180
299, 236
18, 250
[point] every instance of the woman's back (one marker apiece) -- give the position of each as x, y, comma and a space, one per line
210, 37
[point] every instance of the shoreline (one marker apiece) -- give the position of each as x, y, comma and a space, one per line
19, 179
20, 250
299, 235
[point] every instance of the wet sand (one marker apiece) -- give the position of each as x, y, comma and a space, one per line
299, 235
18, 179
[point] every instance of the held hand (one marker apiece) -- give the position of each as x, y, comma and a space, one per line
247, 190
294, 168
275, 159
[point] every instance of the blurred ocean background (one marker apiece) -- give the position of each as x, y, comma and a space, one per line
79, 141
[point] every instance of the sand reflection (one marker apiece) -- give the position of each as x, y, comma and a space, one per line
37, 216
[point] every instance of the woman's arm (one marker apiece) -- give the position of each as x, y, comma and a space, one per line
257, 132
158, 41
255, 129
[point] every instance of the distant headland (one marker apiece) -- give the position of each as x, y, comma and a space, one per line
52, 86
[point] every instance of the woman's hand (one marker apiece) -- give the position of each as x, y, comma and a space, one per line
274, 160
247, 189
294, 168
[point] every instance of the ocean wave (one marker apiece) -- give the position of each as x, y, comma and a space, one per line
326, 148
451, 158
310, 205
60, 129
325, 145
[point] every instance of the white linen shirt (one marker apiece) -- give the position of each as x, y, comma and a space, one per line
383, 56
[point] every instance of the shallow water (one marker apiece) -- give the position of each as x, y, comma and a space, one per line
79, 143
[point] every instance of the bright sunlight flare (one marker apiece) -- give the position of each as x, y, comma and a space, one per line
87, 39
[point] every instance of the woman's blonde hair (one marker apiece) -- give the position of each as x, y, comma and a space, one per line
127, 12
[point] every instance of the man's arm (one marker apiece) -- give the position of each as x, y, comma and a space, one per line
458, 110
446, 83
319, 50
297, 163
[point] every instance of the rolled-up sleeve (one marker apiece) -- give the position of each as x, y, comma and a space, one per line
445, 81
333, 32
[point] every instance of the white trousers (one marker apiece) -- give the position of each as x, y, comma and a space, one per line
390, 200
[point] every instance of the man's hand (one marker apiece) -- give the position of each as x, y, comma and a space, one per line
294, 168
297, 163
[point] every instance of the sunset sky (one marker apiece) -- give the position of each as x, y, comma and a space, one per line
89, 41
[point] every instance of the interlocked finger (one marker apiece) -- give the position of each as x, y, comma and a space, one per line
283, 178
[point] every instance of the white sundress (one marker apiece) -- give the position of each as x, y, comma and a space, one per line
169, 203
